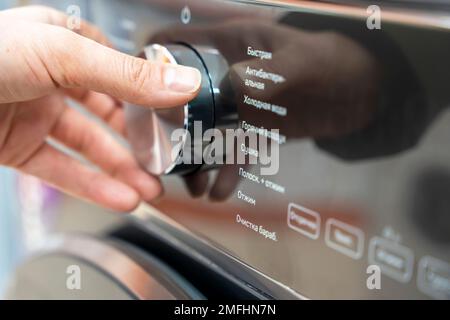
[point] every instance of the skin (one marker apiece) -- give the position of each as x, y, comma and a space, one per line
42, 64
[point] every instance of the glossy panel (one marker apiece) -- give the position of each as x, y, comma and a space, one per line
364, 166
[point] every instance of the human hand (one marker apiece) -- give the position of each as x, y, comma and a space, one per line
41, 64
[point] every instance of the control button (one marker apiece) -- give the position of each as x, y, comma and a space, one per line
150, 130
344, 238
433, 278
157, 145
395, 261
303, 220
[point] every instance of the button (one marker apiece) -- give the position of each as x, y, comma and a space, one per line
150, 130
395, 260
433, 278
157, 144
303, 220
344, 238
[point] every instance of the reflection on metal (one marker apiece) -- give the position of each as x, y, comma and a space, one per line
135, 273
148, 213
151, 129
388, 14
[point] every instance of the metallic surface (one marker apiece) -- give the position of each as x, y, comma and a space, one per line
158, 224
107, 270
401, 14
366, 120
164, 139
151, 128
367, 130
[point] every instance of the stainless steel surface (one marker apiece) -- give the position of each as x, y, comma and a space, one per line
151, 128
215, 257
167, 140
371, 193
107, 271
402, 15
377, 190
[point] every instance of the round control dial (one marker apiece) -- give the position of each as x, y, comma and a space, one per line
151, 130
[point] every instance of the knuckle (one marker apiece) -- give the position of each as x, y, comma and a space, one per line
139, 73
63, 49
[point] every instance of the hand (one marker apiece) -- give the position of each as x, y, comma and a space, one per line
42, 64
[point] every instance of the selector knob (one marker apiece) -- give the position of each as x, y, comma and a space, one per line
150, 130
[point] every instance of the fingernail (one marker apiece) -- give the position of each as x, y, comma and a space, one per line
181, 79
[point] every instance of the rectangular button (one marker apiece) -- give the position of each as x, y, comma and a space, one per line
395, 261
344, 238
304, 221
433, 278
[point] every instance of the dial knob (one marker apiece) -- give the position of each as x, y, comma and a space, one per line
163, 140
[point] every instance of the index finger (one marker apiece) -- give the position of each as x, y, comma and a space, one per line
75, 61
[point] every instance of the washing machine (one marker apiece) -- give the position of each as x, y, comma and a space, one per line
346, 195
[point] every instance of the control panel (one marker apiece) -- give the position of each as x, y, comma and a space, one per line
345, 192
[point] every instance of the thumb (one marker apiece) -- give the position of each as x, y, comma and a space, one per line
75, 61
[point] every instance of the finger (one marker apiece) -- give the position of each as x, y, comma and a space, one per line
37, 13
70, 176
103, 106
84, 136
75, 61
